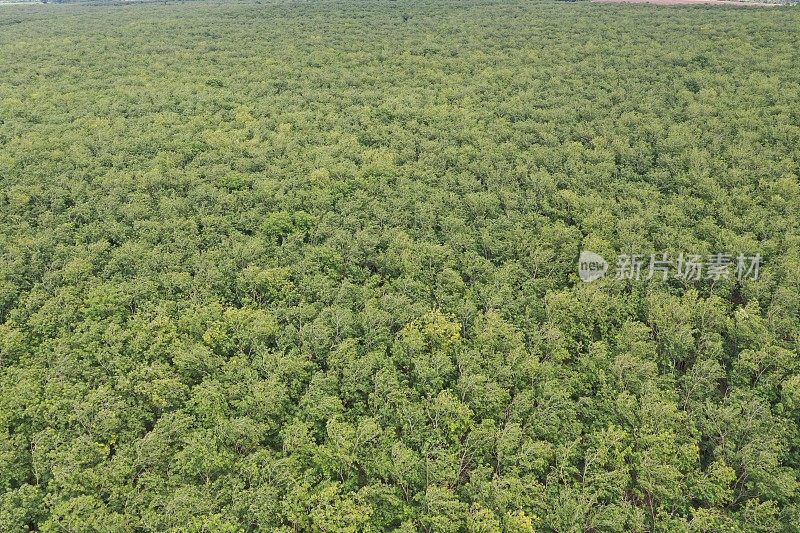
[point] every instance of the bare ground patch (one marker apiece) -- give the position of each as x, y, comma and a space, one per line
688, 2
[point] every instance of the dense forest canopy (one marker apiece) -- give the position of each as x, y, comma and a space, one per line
312, 266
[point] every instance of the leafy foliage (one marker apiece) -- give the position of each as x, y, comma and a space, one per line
310, 267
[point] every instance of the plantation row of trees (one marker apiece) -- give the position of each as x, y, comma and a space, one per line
313, 267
